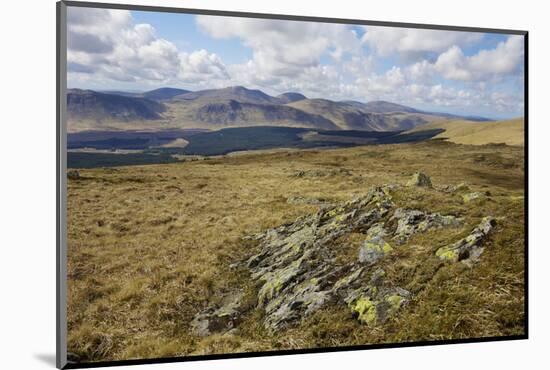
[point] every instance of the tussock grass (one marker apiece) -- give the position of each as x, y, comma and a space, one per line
150, 246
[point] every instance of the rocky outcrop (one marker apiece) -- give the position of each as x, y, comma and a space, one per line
297, 262
468, 249
297, 271
412, 221
224, 317
420, 179
375, 246
473, 196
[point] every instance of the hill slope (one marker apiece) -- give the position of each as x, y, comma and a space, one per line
92, 105
510, 132
380, 106
290, 97
218, 113
354, 116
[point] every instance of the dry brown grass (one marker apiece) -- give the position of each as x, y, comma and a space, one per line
150, 246
509, 132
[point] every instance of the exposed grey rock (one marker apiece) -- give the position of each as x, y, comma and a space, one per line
473, 196
412, 221
456, 188
296, 264
373, 249
420, 179
375, 302
468, 249
222, 318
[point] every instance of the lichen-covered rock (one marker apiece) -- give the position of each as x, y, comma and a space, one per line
411, 221
296, 263
349, 280
468, 249
375, 302
217, 319
420, 179
461, 187
373, 249
473, 196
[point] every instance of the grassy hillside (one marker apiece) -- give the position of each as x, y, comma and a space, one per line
149, 247
509, 132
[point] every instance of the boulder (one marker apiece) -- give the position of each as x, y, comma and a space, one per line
468, 249
473, 196
420, 179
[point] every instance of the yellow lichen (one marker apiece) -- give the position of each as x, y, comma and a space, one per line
447, 254
270, 289
387, 248
395, 302
365, 309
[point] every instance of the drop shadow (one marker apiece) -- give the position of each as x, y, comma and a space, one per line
46, 358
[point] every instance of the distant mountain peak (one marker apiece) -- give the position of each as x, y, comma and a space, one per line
382, 106
164, 93
290, 97
238, 93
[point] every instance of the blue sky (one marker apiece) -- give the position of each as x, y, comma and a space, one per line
456, 72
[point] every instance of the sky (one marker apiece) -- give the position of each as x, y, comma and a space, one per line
448, 71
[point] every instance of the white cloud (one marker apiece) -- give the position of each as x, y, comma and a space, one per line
284, 48
198, 64
360, 65
505, 59
422, 71
390, 81
107, 44
389, 40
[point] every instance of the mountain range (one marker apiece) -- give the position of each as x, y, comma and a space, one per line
236, 106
